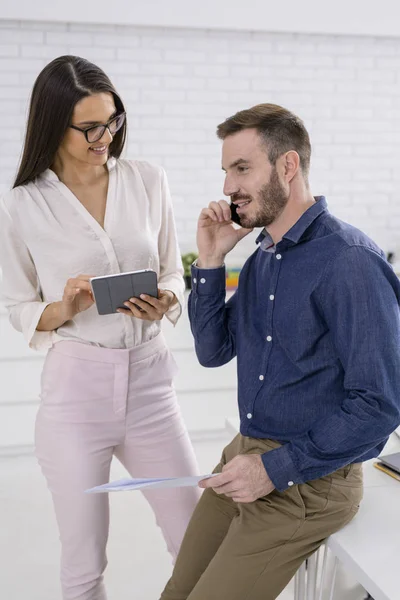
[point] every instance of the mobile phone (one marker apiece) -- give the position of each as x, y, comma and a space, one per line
234, 216
111, 291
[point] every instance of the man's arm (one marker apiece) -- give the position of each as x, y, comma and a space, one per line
359, 298
212, 321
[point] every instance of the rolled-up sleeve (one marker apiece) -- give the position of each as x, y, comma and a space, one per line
171, 269
20, 289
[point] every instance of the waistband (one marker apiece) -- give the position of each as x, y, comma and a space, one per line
111, 355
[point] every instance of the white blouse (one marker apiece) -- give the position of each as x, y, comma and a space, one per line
48, 236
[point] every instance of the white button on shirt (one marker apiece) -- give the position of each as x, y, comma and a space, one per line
290, 483
269, 338
278, 257
249, 415
261, 378
47, 236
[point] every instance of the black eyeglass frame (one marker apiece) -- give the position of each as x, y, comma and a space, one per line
103, 125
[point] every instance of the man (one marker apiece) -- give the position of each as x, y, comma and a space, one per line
315, 328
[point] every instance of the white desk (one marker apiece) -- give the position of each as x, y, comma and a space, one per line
369, 546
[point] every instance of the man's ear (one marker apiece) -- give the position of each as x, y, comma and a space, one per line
291, 164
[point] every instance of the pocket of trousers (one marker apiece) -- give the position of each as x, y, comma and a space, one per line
162, 365
228, 453
290, 502
173, 365
315, 494
332, 489
349, 476
51, 375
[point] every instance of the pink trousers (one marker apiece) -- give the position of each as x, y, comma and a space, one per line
96, 403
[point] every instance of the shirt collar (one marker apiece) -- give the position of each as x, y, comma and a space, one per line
266, 242
49, 175
296, 232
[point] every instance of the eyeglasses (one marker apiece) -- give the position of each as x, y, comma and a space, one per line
95, 133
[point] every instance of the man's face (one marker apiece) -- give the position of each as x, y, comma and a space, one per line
251, 181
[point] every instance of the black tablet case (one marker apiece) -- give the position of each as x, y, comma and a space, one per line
111, 292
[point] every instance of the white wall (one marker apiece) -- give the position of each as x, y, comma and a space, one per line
359, 17
179, 84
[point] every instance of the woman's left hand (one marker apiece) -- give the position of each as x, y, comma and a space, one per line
149, 308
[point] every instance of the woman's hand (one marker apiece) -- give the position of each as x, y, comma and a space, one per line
149, 308
77, 297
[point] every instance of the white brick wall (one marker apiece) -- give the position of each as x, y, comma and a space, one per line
179, 84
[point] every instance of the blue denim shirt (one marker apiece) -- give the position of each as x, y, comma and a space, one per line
315, 327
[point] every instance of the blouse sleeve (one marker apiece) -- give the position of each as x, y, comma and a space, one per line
20, 290
171, 269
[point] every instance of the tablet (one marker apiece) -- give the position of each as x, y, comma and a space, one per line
111, 291
392, 461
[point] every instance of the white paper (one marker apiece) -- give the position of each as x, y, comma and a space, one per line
125, 485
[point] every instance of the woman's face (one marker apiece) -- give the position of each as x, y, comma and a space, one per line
88, 112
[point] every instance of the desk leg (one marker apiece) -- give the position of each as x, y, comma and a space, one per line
296, 586
312, 570
300, 583
333, 581
323, 581
323, 573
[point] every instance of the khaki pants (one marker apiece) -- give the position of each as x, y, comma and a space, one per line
234, 551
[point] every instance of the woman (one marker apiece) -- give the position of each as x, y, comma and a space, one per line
76, 211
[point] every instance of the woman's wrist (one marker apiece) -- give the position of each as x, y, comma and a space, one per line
174, 299
53, 317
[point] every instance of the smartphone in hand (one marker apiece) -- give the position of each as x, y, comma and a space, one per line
234, 216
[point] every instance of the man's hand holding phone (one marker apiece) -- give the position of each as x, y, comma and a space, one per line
216, 235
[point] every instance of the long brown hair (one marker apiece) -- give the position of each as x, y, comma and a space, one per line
280, 129
58, 87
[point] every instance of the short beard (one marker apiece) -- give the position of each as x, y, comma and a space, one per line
272, 199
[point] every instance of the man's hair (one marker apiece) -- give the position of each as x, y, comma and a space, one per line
280, 130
